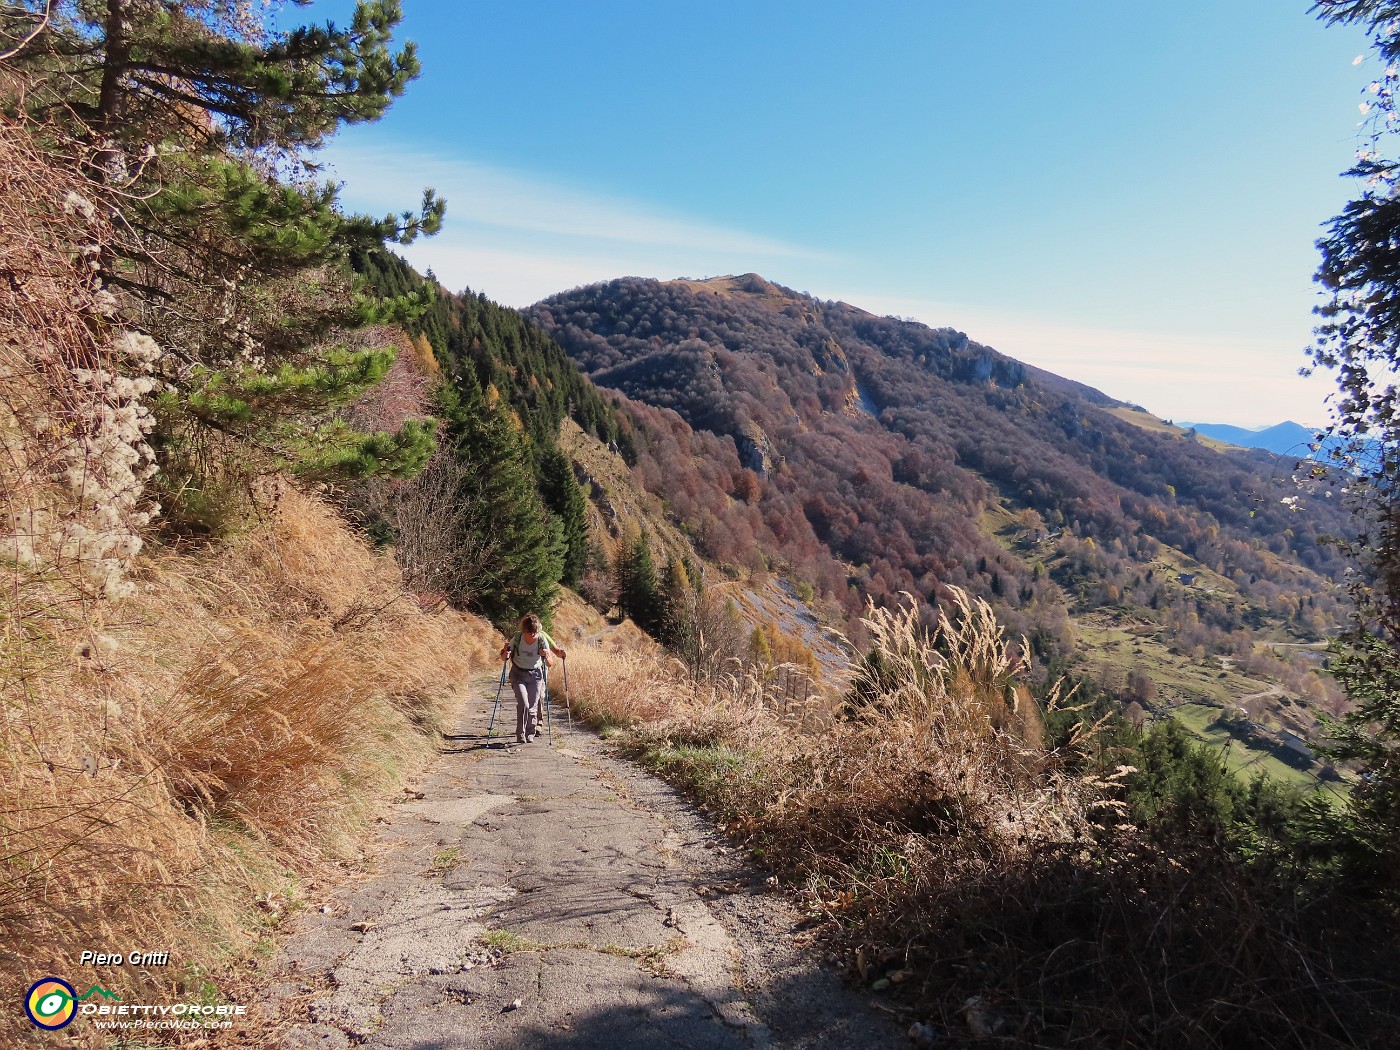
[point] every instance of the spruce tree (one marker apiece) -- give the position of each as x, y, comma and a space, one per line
523, 545
679, 600
565, 499
640, 596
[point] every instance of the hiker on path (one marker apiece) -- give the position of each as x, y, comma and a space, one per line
529, 652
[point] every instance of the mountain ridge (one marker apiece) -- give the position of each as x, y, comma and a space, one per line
1285, 439
870, 456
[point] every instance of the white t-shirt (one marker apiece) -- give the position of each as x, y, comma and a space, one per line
527, 655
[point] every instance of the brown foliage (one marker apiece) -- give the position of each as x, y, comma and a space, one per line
882, 442
405, 393
172, 756
949, 852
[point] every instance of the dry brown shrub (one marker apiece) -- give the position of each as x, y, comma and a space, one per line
887, 815
54, 223
406, 391
167, 758
948, 849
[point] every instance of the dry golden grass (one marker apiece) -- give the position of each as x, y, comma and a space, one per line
947, 746
171, 752
951, 853
171, 757
942, 713
573, 618
642, 689
617, 688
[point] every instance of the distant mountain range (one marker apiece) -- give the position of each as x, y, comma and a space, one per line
1284, 439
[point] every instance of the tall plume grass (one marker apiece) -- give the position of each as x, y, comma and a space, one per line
997, 884
943, 741
945, 745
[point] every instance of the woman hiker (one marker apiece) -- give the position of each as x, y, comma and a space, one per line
529, 652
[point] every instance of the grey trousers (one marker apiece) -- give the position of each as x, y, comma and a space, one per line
526, 688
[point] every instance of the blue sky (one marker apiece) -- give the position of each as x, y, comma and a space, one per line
1127, 194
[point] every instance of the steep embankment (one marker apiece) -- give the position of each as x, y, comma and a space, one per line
195, 720
193, 757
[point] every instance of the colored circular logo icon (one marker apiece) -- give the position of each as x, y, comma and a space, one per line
51, 1003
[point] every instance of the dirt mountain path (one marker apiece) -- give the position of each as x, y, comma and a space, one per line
577, 886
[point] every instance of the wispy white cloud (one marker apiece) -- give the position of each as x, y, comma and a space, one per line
520, 237
1247, 381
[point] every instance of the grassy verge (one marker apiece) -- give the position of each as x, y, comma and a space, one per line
1000, 888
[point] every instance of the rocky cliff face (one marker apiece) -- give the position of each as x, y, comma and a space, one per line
755, 450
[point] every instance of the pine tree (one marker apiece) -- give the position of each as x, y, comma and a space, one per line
141, 70
505, 351
565, 499
640, 596
522, 543
181, 113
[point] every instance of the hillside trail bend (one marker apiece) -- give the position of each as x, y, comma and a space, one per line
577, 885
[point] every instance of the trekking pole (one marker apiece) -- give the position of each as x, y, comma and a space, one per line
568, 711
497, 705
548, 720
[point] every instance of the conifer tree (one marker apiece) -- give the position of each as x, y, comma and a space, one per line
523, 542
679, 599
760, 650
137, 71
565, 499
640, 596
186, 115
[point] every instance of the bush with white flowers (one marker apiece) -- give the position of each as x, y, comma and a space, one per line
99, 454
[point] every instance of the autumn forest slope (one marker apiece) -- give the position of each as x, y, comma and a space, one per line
867, 455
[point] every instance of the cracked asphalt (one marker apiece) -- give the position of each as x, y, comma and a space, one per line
581, 889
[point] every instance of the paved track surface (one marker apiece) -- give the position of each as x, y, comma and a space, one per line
577, 886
